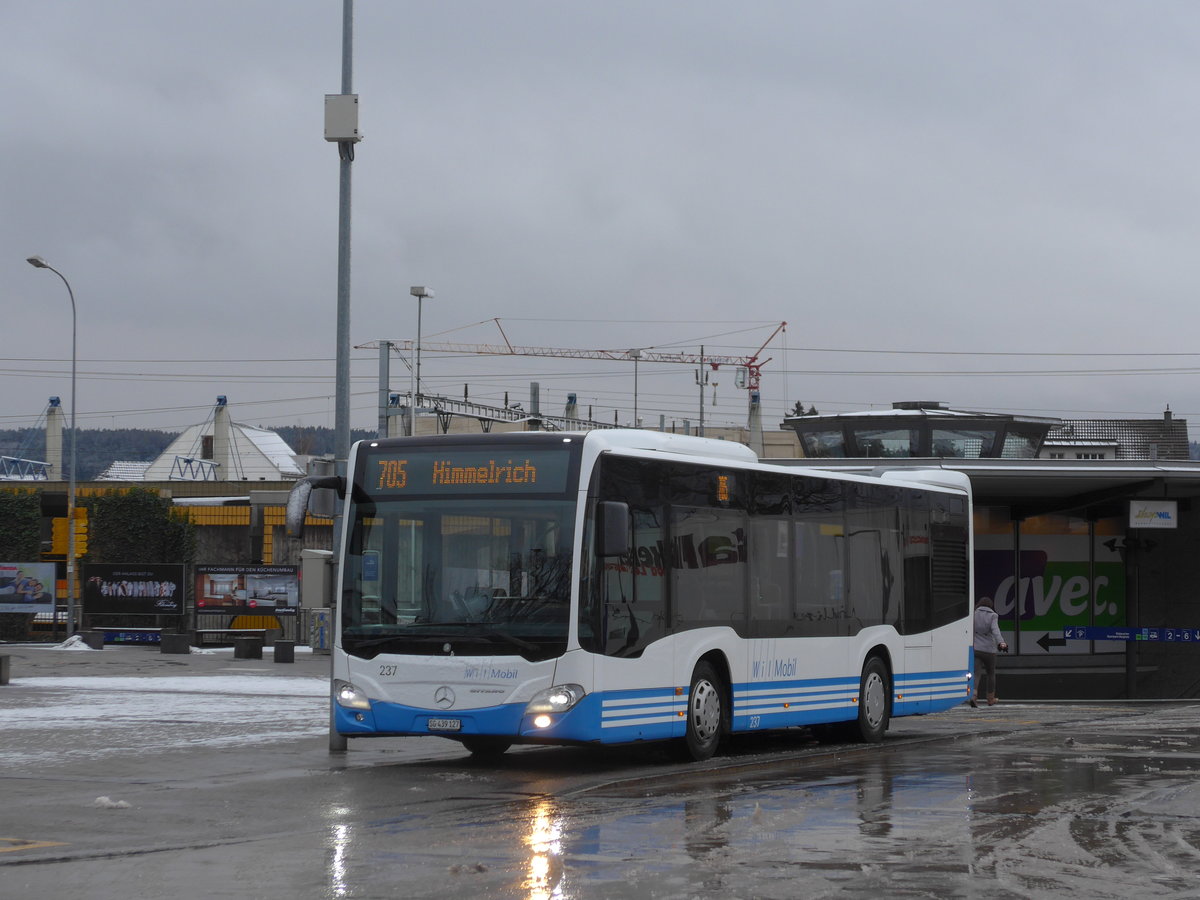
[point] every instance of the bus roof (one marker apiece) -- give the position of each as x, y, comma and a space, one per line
683, 444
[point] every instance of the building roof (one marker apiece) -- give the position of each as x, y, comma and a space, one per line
256, 455
920, 428
1037, 486
124, 470
1164, 438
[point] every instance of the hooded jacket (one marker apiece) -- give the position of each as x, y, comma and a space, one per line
987, 630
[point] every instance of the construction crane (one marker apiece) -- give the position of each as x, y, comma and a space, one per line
753, 363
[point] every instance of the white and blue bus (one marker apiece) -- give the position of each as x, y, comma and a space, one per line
612, 587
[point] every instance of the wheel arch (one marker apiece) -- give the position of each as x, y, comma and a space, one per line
718, 659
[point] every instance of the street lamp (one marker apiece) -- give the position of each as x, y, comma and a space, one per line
420, 293
635, 354
39, 263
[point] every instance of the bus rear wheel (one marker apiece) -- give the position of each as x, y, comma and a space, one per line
485, 746
706, 713
874, 710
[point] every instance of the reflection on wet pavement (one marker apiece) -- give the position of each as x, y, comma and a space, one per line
1042, 813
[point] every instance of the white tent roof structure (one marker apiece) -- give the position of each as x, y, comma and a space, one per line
124, 470
223, 450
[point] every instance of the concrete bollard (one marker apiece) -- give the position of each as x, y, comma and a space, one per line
94, 639
285, 651
175, 643
247, 647
5, 660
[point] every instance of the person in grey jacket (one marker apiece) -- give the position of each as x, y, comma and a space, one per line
988, 642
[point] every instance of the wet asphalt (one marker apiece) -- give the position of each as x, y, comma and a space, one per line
229, 790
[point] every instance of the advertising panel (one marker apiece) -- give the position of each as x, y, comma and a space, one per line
26, 587
248, 589
1063, 581
143, 590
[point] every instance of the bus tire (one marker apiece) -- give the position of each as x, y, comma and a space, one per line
874, 710
485, 746
706, 713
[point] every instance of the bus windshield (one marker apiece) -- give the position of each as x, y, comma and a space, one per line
446, 561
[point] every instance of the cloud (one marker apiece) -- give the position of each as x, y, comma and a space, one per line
929, 176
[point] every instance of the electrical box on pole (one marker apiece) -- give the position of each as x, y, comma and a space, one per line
341, 118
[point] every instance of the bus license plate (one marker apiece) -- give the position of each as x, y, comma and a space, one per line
445, 724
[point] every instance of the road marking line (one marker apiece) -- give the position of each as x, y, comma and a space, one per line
9, 845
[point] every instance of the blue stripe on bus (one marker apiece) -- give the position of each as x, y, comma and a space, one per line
614, 717
646, 714
780, 704
649, 714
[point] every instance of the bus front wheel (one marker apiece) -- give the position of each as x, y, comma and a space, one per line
874, 711
706, 714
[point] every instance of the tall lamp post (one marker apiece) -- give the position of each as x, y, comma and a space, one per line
38, 262
420, 293
635, 354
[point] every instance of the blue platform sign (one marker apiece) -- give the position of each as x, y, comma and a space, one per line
1095, 633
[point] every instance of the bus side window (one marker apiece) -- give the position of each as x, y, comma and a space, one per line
709, 567
634, 599
770, 578
874, 555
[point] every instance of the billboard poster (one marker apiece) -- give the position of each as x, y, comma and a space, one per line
1064, 581
143, 590
248, 589
27, 587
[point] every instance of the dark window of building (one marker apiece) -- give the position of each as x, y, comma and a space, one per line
891, 442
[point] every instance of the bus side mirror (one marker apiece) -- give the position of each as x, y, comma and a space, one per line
301, 500
612, 528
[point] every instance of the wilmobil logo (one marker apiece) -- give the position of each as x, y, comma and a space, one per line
1153, 514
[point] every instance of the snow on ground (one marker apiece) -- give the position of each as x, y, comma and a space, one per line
74, 642
221, 685
58, 720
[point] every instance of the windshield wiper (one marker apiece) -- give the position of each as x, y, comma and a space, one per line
365, 643
479, 630
474, 632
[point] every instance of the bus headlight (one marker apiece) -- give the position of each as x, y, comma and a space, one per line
348, 696
557, 699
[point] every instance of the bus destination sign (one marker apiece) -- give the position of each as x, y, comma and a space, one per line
467, 471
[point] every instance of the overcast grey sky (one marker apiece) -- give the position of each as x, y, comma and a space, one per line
1010, 182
